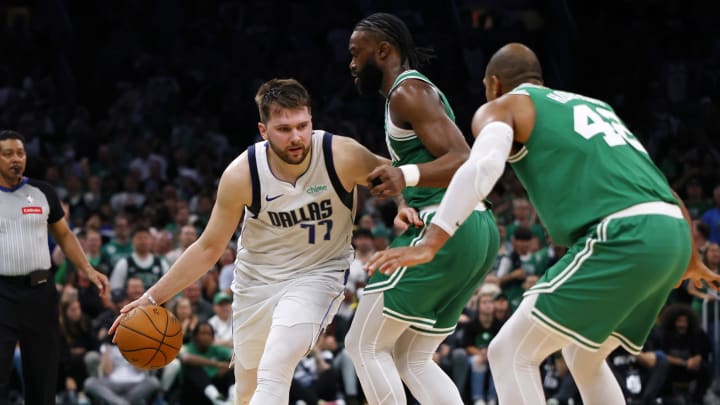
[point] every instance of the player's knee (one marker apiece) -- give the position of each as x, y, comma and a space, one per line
498, 353
405, 366
352, 345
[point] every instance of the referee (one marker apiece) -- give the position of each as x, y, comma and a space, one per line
28, 298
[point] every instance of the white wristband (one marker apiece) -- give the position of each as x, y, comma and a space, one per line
150, 298
411, 174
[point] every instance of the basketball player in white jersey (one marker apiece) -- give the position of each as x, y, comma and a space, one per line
295, 195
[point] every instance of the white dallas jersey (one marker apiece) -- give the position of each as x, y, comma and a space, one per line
294, 229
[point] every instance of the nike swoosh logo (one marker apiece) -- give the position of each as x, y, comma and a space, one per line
268, 198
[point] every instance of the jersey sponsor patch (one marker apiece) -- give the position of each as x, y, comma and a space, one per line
32, 210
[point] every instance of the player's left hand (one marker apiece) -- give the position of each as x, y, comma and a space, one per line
389, 260
142, 301
392, 181
697, 272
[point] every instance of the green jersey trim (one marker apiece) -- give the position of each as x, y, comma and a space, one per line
395, 277
432, 331
548, 323
407, 318
627, 344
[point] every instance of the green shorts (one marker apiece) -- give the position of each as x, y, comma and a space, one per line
614, 281
431, 296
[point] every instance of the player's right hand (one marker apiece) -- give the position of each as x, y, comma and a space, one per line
392, 181
405, 217
142, 301
697, 272
389, 260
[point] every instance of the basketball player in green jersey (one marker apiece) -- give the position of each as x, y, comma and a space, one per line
598, 192
403, 318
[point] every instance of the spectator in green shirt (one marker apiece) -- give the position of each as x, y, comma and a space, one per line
207, 374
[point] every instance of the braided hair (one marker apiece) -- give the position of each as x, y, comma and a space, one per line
392, 29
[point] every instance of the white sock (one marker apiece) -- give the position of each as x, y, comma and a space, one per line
212, 393
231, 394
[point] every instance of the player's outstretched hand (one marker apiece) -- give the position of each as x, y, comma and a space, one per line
142, 301
389, 260
391, 181
407, 217
697, 272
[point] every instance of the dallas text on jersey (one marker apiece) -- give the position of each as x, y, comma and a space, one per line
311, 212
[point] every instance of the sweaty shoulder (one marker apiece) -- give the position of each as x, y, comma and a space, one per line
353, 161
414, 98
514, 109
236, 178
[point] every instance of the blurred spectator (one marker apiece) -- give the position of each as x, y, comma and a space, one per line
200, 307
694, 200
315, 378
207, 374
478, 334
134, 288
517, 266
686, 347
701, 235
525, 217
120, 245
188, 235
141, 263
77, 339
162, 244
181, 308
502, 307
712, 217
640, 376
100, 324
222, 320
119, 382
94, 196
227, 269
362, 241
558, 384
130, 199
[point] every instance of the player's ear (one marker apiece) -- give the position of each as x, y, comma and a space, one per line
263, 130
493, 85
383, 49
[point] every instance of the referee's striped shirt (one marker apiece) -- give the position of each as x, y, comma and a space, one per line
25, 212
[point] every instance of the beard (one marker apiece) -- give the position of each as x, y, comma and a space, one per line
286, 157
369, 79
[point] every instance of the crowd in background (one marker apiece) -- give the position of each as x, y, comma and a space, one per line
131, 109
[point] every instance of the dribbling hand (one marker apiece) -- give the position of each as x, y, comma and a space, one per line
142, 301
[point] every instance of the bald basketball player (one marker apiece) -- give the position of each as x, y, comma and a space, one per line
598, 192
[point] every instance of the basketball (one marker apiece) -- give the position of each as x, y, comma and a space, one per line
149, 337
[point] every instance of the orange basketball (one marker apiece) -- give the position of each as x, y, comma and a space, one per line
149, 337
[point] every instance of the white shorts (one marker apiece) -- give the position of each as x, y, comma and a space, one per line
312, 299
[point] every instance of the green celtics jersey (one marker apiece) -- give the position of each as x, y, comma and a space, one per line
405, 146
582, 164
